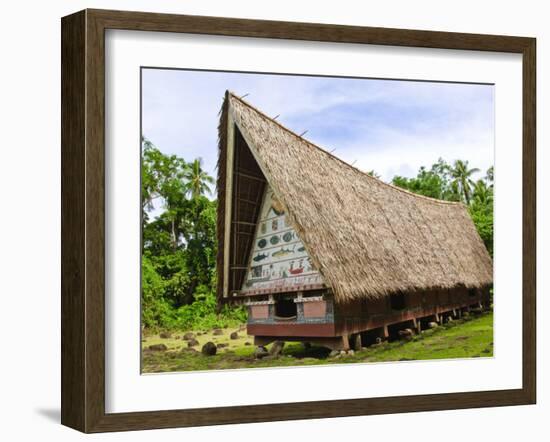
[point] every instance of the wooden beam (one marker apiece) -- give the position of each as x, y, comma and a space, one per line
244, 223
228, 199
244, 200
251, 177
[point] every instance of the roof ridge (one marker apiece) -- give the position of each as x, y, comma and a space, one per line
392, 186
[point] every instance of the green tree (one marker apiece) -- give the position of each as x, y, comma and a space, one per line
462, 178
155, 310
180, 243
426, 183
198, 181
201, 244
482, 194
162, 176
481, 211
434, 182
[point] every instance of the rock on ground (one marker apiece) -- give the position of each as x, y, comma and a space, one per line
260, 352
188, 336
234, 335
217, 332
406, 334
209, 349
276, 348
166, 335
158, 347
192, 342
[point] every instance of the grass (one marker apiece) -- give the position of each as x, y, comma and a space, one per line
467, 338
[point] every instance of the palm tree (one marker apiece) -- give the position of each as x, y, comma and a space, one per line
198, 181
482, 193
462, 178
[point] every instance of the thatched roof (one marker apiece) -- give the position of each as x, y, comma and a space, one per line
367, 238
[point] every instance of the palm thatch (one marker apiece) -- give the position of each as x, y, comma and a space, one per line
366, 237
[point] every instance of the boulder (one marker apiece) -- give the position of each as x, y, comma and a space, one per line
260, 352
334, 353
188, 336
209, 349
247, 343
234, 335
432, 324
192, 342
276, 348
406, 334
217, 332
158, 347
222, 345
166, 335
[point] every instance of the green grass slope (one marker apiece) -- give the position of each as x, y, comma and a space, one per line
467, 338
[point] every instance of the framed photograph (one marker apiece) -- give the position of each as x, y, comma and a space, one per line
267, 220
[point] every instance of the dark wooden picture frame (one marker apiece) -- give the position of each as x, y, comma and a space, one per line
83, 220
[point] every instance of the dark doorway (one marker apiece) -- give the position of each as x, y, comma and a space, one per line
285, 308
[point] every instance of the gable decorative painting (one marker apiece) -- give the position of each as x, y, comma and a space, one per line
278, 261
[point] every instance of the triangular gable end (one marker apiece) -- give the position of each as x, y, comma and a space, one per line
278, 260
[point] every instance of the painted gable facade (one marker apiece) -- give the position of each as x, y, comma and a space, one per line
279, 261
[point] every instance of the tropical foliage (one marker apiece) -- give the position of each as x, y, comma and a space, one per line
179, 245
179, 242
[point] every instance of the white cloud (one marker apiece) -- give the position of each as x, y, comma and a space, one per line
393, 127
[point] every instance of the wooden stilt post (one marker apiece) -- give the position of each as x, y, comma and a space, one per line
345, 343
356, 344
417, 325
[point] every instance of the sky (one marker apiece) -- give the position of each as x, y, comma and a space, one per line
390, 126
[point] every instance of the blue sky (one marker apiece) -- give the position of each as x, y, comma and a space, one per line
393, 127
